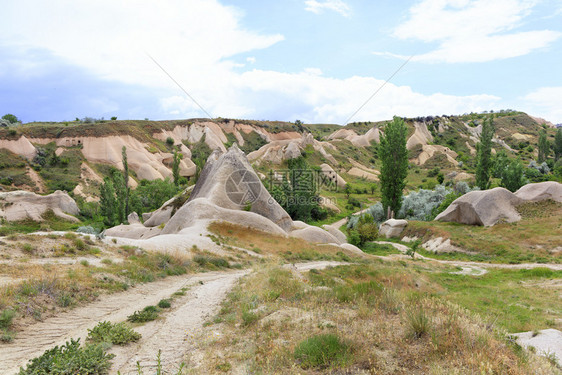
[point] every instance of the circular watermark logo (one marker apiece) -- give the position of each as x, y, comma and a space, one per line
243, 187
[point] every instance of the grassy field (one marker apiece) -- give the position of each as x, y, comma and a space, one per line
517, 300
375, 318
530, 240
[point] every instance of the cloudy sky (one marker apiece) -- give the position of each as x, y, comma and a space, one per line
313, 60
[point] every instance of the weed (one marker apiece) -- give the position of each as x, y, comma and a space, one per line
27, 248
418, 322
159, 370
113, 333
7, 336
79, 244
164, 304
223, 367
249, 318
71, 358
84, 262
322, 351
6, 318
145, 315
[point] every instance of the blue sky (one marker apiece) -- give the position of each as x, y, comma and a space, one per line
314, 60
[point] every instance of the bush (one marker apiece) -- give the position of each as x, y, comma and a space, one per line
449, 198
147, 314
6, 318
164, 304
87, 230
170, 141
367, 229
113, 333
419, 205
71, 359
12, 119
323, 351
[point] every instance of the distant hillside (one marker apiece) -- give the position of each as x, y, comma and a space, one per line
76, 156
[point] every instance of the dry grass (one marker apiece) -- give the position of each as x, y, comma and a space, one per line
37, 291
372, 309
290, 249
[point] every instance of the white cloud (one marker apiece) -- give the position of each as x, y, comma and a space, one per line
251, 60
188, 37
473, 31
196, 42
545, 102
318, 7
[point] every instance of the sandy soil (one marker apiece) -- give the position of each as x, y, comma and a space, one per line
171, 333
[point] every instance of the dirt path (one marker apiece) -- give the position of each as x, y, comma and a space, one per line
170, 333
341, 222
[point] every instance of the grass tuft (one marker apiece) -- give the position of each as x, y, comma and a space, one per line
322, 351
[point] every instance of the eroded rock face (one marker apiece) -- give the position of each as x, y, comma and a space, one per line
332, 175
541, 191
314, 234
229, 181
392, 228
228, 190
486, 208
22, 205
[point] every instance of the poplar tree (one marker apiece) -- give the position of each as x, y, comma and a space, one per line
558, 145
394, 156
484, 155
544, 147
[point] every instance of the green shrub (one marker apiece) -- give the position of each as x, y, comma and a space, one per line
6, 318
70, 358
248, 318
113, 333
170, 141
323, 351
145, 315
164, 304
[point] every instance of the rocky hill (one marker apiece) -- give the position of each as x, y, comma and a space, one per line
76, 156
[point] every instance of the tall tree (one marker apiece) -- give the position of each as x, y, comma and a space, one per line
176, 167
512, 177
544, 147
558, 145
394, 156
484, 155
126, 179
108, 203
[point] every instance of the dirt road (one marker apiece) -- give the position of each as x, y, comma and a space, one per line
170, 333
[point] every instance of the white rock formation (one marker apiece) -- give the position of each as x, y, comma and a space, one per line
392, 228
541, 191
22, 205
332, 175
483, 208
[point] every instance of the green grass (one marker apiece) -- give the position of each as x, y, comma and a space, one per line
378, 249
112, 333
526, 241
50, 221
322, 351
508, 297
